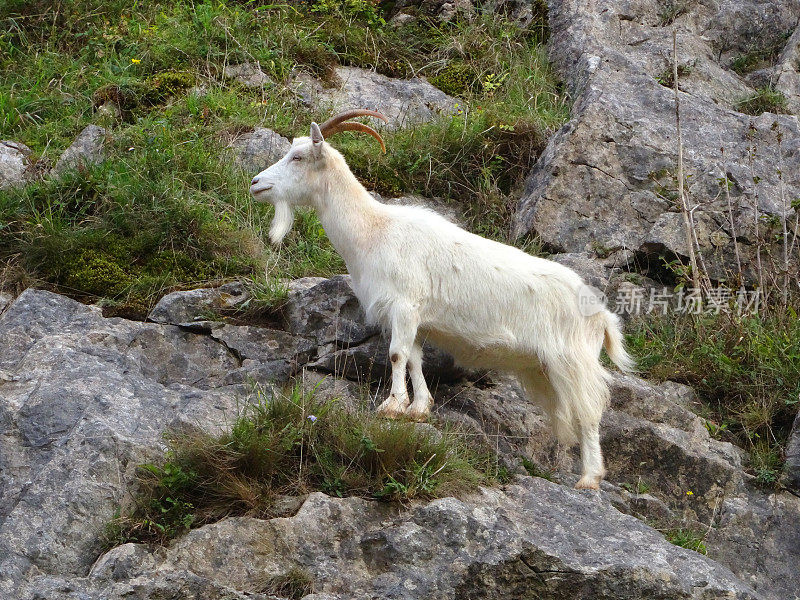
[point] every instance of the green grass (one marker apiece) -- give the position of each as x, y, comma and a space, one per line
167, 209
746, 369
294, 444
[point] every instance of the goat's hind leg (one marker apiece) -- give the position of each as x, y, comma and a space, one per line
582, 395
423, 401
591, 457
404, 331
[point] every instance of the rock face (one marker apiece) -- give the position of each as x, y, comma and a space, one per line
606, 180
258, 149
248, 74
535, 539
86, 149
403, 101
196, 305
13, 163
793, 455
84, 399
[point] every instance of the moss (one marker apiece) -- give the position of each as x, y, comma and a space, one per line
457, 79
136, 95
95, 272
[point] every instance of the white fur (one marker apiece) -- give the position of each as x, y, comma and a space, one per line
488, 304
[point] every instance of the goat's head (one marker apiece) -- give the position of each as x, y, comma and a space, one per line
304, 173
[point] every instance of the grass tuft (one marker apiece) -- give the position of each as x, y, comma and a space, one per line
688, 538
765, 99
293, 444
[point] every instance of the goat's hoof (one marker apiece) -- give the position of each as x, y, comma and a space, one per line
419, 411
588, 482
391, 408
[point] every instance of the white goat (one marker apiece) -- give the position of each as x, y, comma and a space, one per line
423, 278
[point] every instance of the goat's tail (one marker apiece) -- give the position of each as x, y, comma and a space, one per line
614, 344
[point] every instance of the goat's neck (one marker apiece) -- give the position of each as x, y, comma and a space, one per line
351, 217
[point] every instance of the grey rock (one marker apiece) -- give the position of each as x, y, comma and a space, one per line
793, 456
194, 305
757, 536
786, 75
83, 401
87, 149
13, 164
248, 74
258, 149
328, 312
535, 539
404, 102
605, 178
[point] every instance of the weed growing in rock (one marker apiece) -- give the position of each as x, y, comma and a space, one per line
764, 100
294, 584
760, 56
293, 444
688, 538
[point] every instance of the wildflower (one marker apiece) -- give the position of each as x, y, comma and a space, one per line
311, 418
136, 61
690, 493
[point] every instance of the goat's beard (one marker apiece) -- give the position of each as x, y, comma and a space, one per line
281, 223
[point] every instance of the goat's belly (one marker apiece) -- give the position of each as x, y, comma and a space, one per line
499, 356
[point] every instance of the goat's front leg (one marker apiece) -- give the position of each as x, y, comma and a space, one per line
423, 401
404, 331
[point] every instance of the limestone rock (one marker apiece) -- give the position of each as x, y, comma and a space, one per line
607, 178
85, 399
88, 148
248, 74
13, 163
793, 456
404, 102
258, 149
194, 305
535, 539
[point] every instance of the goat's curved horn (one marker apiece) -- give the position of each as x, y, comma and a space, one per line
338, 123
354, 126
350, 114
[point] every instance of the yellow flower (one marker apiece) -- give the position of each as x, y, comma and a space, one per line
690, 493
135, 61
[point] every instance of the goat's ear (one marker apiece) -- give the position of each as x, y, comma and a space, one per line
316, 139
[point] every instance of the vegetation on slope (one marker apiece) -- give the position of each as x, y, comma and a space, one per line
168, 208
746, 369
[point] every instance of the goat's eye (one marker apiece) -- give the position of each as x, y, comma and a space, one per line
297, 157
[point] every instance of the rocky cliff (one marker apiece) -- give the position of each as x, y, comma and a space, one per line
85, 399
